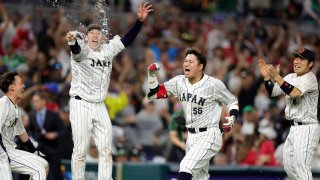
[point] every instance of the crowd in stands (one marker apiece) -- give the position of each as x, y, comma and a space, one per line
34, 46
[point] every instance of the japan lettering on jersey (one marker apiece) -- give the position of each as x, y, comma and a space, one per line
91, 70
202, 102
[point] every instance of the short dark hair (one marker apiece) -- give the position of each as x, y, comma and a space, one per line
6, 80
200, 56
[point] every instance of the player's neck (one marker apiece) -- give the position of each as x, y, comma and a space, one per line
12, 98
196, 79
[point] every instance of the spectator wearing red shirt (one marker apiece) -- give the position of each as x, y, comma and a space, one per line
265, 147
246, 155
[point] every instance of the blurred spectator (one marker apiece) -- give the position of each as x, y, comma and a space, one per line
246, 153
46, 127
4, 25
249, 120
93, 154
12, 59
149, 128
262, 100
178, 136
220, 159
135, 155
265, 146
11, 30
65, 140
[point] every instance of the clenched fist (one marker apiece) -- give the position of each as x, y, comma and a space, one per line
153, 69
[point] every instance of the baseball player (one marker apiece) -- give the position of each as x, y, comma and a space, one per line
91, 64
202, 98
14, 160
301, 93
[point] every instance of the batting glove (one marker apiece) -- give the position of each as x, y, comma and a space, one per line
153, 69
228, 125
30, 147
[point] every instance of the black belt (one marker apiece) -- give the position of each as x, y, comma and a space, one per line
78, 97
196, 130
296, 124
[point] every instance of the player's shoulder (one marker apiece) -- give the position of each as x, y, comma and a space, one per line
179, 78
213, 81
4, 100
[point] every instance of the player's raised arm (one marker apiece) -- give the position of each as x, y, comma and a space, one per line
71, 38
142, 14
156, 91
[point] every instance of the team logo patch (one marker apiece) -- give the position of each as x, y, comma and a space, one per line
301, 50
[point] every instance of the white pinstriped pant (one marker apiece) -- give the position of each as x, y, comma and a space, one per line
201, 147
90, 118
298, 151
22, 162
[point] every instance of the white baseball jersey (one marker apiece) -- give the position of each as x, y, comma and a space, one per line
302, 139
304, 108
91, 70
21, 162
11, 125
202, 103
90, 80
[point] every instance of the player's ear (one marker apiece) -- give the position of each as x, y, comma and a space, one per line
310, 64
200, 66
11, 87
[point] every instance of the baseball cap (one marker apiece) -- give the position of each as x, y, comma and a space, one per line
305, 53
247, 108
93, 26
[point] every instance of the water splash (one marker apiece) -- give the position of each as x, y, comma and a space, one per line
100, 7
103, 10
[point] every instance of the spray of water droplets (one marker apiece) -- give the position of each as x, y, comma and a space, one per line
101, 8
103, 16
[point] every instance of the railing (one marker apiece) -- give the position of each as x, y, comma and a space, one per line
169, 171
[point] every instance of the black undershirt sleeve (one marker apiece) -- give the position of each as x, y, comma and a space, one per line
234, 112
75, 49
131, 34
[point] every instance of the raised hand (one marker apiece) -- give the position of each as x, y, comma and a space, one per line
263, 69
153, 69
144, 10
273, 72
70, 36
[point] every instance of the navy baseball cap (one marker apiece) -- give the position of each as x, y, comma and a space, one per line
93, 26
305, 53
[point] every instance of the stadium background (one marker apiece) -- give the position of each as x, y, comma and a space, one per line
232, 33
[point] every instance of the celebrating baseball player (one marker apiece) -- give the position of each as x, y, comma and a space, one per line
91, 63
301, 93
11, 159
202, 98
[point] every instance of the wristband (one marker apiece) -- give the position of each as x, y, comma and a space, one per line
269, 86
286, 87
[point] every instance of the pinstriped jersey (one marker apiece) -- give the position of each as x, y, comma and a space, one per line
91, 70
303, 108
202, 102
11, 124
